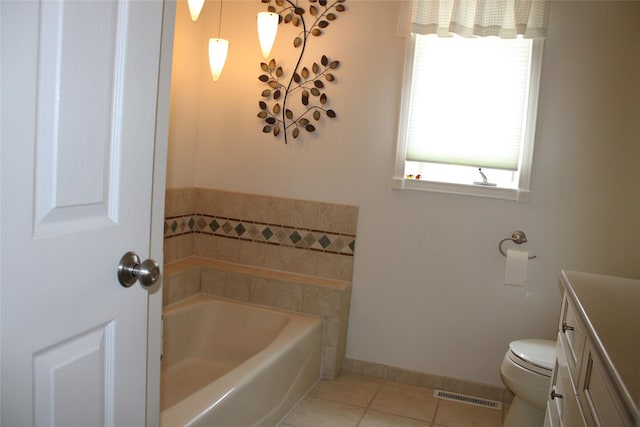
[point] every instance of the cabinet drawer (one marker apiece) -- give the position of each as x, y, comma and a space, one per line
551, 416
597, 394
562, 396
573, 335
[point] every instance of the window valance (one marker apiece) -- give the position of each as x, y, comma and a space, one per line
474, 18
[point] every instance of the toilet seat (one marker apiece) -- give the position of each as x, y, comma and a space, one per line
534, 355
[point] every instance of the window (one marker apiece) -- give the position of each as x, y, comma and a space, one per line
468, 104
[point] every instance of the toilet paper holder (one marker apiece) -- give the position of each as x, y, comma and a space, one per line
518, 237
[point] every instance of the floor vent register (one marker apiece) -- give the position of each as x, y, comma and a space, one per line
471, 400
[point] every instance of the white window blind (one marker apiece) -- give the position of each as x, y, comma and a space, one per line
468, 101
468, 18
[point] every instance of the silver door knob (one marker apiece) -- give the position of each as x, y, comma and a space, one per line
131, 270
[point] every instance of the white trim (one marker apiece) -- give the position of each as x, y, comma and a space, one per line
401, 143
526, 155
520, 194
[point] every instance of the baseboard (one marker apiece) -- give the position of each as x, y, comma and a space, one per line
424, 379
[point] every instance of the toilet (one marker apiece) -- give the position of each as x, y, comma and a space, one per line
526, 372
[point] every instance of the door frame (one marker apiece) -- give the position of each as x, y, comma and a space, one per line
154, 319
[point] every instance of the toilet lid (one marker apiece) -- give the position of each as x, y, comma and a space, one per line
535, 355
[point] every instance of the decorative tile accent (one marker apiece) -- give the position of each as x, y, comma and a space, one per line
274, 234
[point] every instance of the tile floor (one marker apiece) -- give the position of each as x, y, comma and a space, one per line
360, 401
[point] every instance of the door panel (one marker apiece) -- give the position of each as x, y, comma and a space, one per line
79, 101
74, 379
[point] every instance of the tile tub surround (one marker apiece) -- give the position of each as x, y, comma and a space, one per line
297, 236
326, 298
287, 253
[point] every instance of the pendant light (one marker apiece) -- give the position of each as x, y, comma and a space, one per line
218, 49
195, 6
267, 29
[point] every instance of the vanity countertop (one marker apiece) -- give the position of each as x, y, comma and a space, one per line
610, 309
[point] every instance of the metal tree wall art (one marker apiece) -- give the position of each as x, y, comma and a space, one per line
307, 84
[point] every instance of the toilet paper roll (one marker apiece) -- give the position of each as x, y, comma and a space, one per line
516, 271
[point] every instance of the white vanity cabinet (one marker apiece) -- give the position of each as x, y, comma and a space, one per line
596, 378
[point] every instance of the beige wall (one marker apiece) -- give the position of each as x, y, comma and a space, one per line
427, 292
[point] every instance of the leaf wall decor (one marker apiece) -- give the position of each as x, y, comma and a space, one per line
304, 86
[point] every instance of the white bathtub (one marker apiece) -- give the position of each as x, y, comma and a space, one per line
229, 364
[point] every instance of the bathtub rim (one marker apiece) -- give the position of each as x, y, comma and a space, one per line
202, 298
189, 410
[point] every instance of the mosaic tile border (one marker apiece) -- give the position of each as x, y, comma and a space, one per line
253, 231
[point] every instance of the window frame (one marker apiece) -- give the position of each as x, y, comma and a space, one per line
522, 191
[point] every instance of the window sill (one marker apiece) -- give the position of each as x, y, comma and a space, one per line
463, 189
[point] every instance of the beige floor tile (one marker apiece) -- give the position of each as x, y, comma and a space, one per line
314, 412
380, 419
348, 388
505, 409
405, 401
464, 415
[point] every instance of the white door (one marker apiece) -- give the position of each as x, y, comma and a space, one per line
79, 96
